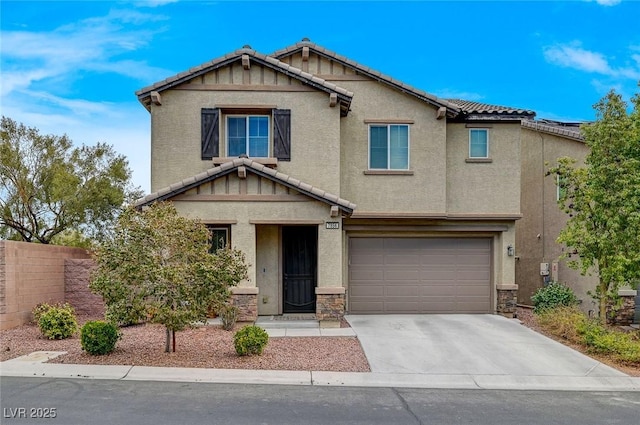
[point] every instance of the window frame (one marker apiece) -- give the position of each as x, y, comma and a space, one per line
388, 127
269, 118
486, 131
218, 227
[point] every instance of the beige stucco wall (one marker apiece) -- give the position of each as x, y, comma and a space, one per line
244, 236
542, 219
484, 187
268, 274
424, 191
176, 134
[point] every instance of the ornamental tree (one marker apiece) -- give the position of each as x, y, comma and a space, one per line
602, 200
157, 268
50, 189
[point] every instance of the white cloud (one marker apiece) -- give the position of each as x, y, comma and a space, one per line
578, 58
88, 45
153, 3
574, 56
608, 2
40, 70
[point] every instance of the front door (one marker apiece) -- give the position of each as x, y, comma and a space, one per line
300, 259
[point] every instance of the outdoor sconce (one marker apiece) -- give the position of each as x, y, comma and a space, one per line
510, 251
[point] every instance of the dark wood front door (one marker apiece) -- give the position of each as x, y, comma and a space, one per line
300, 259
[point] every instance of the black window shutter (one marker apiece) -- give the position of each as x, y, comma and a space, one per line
210, 133
282, 134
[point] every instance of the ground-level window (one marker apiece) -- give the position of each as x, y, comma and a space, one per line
220, 237
478, 143
248, 134
389, 147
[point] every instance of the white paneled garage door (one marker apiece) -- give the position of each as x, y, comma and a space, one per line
419, 275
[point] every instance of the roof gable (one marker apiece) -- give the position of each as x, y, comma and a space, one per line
451, 109
243, 166
247, 54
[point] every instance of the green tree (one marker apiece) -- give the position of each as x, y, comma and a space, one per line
48, 188
157, 268
603, 200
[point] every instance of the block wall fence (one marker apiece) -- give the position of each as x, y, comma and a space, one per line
32, 273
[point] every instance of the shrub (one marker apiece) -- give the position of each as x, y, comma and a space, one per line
57, 321
39, 309
598, 339
553, 295
228, 315
99, 337
250, 340
564, 322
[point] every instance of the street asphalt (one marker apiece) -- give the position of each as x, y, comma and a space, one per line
404, 351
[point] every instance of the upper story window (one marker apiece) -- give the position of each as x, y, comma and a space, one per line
257, 132
478, 143
389, 147
248, 134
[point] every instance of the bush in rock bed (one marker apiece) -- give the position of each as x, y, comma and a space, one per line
250, 340
56, 321
99, 337
553, 295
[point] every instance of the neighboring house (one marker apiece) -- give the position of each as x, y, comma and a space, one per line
346, 189
543, 142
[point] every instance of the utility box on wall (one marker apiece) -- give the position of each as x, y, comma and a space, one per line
544, 269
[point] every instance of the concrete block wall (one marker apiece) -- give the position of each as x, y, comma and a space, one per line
77, 275
30, 274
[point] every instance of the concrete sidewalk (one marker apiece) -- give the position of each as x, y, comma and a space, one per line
26, 366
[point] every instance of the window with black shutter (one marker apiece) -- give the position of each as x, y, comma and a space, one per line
282, 134
210, 133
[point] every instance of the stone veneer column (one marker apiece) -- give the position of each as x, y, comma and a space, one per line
625, 313
507, 300
330, 303
246, 299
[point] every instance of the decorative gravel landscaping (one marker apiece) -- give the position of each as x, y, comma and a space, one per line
207, 347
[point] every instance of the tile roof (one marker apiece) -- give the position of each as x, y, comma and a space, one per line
469, 107
271, 62
257, 168
569, 130
452, 109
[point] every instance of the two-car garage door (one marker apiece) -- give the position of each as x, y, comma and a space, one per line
419, 275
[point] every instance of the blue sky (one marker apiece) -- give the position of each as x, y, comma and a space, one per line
73, 67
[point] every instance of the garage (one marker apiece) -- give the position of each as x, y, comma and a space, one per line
419, 275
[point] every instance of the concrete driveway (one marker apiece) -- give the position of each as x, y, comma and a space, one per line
466, 344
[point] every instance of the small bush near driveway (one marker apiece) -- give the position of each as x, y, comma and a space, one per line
250, 340
553, 295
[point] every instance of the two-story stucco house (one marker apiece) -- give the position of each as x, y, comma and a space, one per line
346, 189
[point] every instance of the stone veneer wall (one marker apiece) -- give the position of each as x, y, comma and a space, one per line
30, 274
247, 306
507, 302
625, 314
77, 275
329, 306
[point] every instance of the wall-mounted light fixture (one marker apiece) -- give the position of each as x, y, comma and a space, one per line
511, 251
